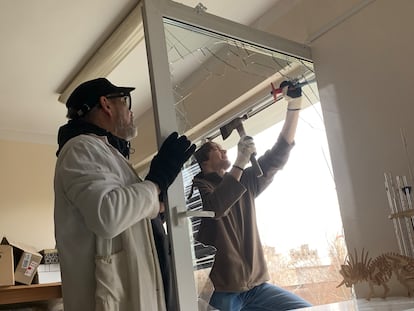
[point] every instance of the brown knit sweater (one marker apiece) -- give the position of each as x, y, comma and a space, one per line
239, 262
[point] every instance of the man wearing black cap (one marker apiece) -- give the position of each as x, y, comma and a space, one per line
103, 210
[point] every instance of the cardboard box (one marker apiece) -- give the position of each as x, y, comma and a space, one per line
6, 265
26, 261
48, 273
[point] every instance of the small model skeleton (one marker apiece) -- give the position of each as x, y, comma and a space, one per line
378, 271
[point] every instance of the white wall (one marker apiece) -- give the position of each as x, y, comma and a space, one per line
365, 77
26, 193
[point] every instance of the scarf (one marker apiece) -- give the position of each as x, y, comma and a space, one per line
78, 127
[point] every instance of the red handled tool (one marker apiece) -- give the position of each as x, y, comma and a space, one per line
295, 83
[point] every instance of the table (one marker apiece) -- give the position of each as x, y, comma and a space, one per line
30, 293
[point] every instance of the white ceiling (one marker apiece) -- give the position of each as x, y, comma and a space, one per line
45, 42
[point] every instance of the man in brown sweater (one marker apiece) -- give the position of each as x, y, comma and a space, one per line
239, 273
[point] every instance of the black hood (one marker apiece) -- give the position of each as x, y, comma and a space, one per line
78, 127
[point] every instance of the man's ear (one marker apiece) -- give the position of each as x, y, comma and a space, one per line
105, 105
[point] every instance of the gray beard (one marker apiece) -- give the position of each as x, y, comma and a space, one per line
131, 132
127, 132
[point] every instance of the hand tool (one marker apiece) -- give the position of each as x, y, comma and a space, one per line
237, 124
295, 83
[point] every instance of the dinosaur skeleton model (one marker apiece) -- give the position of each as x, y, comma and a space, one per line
378, 271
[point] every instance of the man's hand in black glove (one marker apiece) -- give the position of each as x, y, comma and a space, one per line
167, 163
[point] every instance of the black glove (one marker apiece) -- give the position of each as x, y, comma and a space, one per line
292, 90
293, 95
167, 163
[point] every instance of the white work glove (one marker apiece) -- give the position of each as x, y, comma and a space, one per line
245, 148
292, 94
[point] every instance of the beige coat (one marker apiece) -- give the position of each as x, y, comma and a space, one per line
97, 193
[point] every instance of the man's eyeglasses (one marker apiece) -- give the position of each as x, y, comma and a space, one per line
126, 98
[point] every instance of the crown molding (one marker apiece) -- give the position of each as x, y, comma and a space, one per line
108, 56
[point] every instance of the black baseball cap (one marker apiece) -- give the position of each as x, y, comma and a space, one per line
86, 95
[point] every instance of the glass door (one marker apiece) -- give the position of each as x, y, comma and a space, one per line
205, 71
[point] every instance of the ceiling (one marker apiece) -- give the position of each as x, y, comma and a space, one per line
46, 42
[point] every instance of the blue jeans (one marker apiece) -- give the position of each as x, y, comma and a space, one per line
260, 298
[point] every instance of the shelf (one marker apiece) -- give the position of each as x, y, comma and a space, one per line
375, 304
29, 293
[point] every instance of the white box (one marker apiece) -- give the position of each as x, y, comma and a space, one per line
48, 273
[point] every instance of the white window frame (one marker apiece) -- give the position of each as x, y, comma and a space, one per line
153, 12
